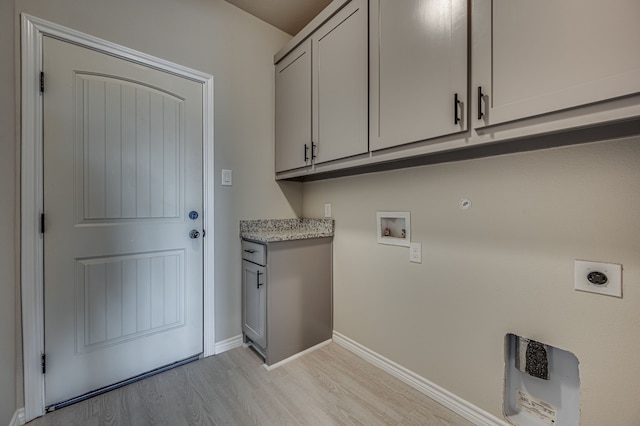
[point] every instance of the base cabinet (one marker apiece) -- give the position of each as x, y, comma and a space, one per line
296, 295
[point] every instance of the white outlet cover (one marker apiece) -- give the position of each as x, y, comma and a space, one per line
415, 252
327, 210
613, 272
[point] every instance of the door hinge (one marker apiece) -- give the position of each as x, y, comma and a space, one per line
41, 81
43, 363
42, 223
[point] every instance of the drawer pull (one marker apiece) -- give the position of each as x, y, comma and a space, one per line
249, 251
258, 273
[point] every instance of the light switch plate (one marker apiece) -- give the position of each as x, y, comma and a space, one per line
227, 177
589, 276
415, 252
327, 210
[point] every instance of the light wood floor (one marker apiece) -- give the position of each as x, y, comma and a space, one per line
330, 386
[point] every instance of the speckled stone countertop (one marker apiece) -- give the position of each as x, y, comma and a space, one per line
273, 230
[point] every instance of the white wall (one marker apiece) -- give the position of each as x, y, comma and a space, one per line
504, 266
214, 37
8, 286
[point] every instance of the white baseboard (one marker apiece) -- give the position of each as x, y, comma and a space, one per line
227, 345
298, 355
18, 418
456, 404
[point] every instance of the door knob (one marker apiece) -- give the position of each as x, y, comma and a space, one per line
194, 234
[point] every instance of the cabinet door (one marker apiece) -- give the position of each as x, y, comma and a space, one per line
536, 57
418, 54
340, 85
254, 303
293, 109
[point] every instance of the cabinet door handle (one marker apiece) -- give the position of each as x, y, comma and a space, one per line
258, 273
480, 99
306, 153
313, 150
456, 109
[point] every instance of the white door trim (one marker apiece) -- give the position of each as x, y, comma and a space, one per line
32, 269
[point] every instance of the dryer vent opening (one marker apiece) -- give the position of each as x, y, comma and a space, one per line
542, 384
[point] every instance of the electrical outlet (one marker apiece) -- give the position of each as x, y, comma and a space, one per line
415, 252
327, 210
597, 277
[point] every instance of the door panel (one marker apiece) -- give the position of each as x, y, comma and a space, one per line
293, 109
418, 63
131, 140
254, 299
340, 86
538, 57
126, 297
122, 168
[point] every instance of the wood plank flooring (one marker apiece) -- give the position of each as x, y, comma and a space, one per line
330, 386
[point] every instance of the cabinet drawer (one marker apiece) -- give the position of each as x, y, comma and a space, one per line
254, 252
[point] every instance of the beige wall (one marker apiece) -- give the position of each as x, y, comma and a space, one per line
208, 35
217, 38
7, 217
504, 266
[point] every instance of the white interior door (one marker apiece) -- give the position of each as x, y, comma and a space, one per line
122, 170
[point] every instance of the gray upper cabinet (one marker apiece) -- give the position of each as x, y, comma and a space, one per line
418, 70
293, 109
340, 85
537, 57
322, 93
448, 75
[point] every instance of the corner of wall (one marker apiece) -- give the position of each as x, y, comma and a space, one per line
293, 193
18, 418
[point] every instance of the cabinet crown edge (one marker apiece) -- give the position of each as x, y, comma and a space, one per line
334, 7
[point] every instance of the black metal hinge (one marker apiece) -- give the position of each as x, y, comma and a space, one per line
42, 223
43, 360
41, 81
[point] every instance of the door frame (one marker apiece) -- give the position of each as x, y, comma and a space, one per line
32, 248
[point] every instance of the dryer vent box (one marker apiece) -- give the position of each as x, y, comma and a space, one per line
542, 384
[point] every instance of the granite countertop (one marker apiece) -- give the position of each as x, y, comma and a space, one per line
273, 230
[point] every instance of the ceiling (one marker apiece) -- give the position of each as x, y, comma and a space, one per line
288, 15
